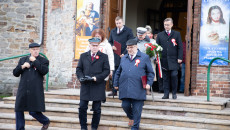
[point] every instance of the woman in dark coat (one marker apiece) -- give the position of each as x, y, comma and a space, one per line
30, 95
93, 68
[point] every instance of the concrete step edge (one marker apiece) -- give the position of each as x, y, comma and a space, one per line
5, 126
225, 111
160, 100
144, 116
111, 124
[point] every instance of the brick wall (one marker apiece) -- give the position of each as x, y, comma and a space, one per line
219, 75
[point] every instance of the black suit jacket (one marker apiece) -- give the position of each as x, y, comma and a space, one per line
125, 34
170, 53
99, 67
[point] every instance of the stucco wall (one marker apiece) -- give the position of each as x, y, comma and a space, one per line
60, 40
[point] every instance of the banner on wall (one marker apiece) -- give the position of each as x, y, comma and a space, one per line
86, 21
214, 31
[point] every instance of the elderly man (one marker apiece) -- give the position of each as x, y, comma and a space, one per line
30, 95
134, 66
93, 68
121, 34
143, 38
172, 56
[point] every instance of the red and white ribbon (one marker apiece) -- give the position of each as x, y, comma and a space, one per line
174, 42
137, 61
159, 65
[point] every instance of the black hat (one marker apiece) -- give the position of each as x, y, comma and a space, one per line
32, 45
94, 39
131, 42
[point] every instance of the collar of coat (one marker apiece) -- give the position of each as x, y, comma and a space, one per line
28, 58
172, 32
115, 30
147, 39
137, 55
89, 53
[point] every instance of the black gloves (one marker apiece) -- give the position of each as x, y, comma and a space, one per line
86, 79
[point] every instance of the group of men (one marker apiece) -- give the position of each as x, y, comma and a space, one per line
130, 67
93, 68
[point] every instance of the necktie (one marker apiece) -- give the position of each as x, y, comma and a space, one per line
131, 57
119, 30
168, 33
92, 57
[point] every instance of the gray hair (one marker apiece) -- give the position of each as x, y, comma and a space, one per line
149, 29
168, 19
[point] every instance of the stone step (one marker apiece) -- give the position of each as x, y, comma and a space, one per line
110, 108
160, 102
182, 101
65, 123
179, 121
6, 126
151, 109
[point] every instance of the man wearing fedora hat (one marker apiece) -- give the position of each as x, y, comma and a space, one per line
93, 68
30, 95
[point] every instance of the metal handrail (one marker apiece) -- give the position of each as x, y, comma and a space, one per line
13, 57
208, 74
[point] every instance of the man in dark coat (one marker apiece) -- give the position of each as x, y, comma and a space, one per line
30, 95
121, 34
172, 55
93, 68
128, 79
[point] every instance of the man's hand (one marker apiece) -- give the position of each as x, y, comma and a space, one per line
111, 74
114, 48
25, 65
32, 58
116, 88
121, 55
179, 61
147, 86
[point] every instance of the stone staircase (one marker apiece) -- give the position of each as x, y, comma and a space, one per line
185, 113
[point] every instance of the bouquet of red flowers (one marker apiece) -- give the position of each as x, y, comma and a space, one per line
154, 50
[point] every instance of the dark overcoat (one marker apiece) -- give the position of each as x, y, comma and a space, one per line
128, 76
171, 53
125, 34
30, 95
99, 67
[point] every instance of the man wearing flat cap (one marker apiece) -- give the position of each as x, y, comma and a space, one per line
128, 79
30, 95
143, 38
93, 68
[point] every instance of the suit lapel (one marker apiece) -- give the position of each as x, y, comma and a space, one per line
89, 56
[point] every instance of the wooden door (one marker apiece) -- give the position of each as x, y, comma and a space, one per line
114, 9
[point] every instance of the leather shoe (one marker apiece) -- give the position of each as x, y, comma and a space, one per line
174, 96
130, 124
112, 94
45, 127
165, 97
